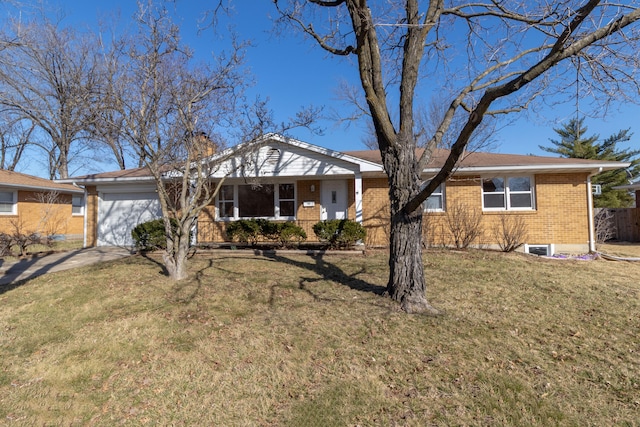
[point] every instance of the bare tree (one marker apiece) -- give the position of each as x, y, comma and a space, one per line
168, 110
177, 117
494, 57
49, 75
14, 137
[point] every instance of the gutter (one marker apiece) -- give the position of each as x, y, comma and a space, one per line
592, 231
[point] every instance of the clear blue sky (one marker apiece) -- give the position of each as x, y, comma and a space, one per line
292, 73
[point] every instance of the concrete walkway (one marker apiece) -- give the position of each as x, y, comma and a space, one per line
28, 268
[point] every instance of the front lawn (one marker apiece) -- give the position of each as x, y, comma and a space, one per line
299, 340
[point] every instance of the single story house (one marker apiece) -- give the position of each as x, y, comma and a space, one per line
36, 205
290, 180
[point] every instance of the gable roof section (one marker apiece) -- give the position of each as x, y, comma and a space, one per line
17, 180
484, 163
294, 158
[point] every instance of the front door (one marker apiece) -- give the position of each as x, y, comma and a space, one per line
334, 199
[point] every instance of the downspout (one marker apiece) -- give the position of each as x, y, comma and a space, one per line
592, 232
84, 220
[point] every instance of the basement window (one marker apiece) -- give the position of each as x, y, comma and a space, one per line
540, 250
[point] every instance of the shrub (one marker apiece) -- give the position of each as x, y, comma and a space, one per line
244, 231
6, 241
150, 235
604, 224
289, 233
510, 232
464, 224
339, 233
252, 230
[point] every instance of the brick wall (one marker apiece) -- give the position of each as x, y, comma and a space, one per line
560, 216
32, 212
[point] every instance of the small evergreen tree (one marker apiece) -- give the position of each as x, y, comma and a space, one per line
575, 144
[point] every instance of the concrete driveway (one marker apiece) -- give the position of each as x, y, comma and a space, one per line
28, 268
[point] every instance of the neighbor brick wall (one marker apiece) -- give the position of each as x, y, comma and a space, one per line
31, 212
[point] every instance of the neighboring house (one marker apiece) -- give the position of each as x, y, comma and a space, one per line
290, 180
29, 204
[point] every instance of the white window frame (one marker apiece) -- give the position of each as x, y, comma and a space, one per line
81, 205
276, 201
14, 202
508, 193
233, 200
439, 192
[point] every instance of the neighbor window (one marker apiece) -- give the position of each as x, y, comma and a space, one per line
257, 201
77, 205
435, 202
8, 203
500, 193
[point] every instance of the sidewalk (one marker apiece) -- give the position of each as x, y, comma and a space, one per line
28, 268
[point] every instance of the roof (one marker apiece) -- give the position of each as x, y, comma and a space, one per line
370, 161
137, 174
481, 162
29, 182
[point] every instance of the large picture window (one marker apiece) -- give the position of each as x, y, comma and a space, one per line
8, 202
257, 201
506, 193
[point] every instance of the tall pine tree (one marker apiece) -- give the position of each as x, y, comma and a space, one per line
575, 144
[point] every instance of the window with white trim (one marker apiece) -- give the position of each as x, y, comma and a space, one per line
507, 193
8, 202
226, 202
274, 201
435, 202
77, 205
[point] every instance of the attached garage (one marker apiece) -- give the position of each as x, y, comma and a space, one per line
119, 212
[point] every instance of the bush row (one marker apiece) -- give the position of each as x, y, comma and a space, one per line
336, 233
254, 230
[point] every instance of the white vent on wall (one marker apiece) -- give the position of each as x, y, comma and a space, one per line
596, 189
273, 157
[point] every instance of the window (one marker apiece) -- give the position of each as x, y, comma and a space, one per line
257, 201
77, 205
435, 202
287, 197
500, 193
8, 203
225, 202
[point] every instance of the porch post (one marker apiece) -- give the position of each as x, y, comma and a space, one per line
358, 194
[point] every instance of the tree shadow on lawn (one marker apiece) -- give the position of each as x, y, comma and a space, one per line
327, 271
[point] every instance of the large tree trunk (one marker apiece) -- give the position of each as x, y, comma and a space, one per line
176, 256
406, 283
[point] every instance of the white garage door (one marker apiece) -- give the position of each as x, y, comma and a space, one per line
119, 213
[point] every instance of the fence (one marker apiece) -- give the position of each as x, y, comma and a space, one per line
627, 224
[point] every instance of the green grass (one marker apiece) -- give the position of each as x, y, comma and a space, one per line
296, 340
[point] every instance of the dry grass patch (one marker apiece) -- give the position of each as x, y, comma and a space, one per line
297, 340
